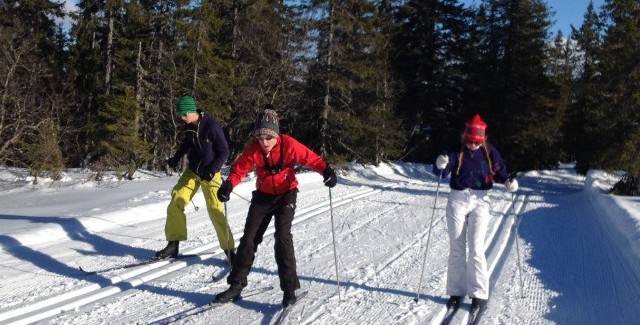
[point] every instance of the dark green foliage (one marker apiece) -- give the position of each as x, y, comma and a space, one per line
121, 148
363, 80
44, 153
620, 99
429, 52
30, 80
350, 89
628, 185
585, 117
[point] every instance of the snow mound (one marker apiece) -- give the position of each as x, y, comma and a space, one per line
622, 220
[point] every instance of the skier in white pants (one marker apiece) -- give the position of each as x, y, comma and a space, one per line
474, 166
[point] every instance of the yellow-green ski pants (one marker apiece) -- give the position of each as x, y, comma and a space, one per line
188, 184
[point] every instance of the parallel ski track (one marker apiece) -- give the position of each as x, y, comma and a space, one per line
500, 236
316, 310
74, 299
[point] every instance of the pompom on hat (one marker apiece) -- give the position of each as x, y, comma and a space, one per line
186, 105
267, 123
475, 130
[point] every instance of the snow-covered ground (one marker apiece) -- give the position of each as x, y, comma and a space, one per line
579, 252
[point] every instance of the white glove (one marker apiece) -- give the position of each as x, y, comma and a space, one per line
442, 161
511, 185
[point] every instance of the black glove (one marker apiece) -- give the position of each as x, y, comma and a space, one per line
173, 163
224, 192
330, 178
206, 176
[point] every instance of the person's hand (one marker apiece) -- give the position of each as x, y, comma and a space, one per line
511, 185
224, 192
206, 176
330, 178
173, 163
442, 161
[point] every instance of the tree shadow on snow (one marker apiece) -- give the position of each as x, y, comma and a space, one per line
46, 262
77, 232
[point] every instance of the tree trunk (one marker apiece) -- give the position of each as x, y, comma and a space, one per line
108, 50
326, 108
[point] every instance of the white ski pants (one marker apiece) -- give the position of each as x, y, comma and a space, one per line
467, 221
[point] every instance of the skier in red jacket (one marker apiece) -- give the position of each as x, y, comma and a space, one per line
276, 157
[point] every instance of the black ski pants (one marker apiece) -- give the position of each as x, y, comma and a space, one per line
263, 207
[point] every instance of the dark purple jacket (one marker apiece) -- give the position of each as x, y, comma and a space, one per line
205, 146
474, 172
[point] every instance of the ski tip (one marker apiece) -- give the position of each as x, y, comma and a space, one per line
85, 271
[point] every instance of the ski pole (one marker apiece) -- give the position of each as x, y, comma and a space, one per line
194, 206
238, 195
335, 256
424, 259
516, 222
226, 217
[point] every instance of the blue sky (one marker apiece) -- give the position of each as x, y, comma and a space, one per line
567, 13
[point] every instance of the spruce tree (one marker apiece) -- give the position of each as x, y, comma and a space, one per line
561, 66
620, 100
43, 151
121, 148
429, 52
350, 87
584, 116
29, 73
514, 91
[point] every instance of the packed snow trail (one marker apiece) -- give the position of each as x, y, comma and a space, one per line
574, 274
567, 254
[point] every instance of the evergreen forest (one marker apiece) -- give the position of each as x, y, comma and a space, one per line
362, 81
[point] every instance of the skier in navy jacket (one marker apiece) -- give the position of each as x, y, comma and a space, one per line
207, 150
474, 166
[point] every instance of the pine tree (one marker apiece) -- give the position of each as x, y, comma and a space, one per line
88, 66
350, 86
561, 66
29, 73
43, 151
621, 83
584, 118
121, 148
514, 90
429, 52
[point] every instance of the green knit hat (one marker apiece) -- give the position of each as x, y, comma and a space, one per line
186, 105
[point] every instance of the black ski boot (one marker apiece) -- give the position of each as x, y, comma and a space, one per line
477, 304
170, 251
289, 298
231, 255
233, 293
454, 302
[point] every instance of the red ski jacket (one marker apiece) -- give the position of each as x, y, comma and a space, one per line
275, 170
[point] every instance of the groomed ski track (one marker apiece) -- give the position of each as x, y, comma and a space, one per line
73, 299
381, 219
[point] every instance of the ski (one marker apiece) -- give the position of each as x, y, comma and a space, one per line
475, 313
134, 264
449, 314
212, 305
284, 312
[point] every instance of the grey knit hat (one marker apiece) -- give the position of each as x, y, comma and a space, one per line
267, 123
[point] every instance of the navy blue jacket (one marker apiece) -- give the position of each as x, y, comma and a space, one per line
205, 146
474, 172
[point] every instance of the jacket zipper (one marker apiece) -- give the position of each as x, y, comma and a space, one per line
199, 146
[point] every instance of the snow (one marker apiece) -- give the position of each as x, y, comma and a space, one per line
577, 247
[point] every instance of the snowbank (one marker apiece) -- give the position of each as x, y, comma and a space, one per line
622, 215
